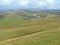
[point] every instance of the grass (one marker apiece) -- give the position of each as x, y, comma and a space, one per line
50, 37
29, 31
23, 29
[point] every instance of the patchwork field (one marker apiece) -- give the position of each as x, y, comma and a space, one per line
39, 28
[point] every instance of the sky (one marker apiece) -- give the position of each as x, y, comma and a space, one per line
30, 4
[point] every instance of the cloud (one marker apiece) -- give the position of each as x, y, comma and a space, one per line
23, 2
6, 2
49, 4
50, 1
54, 6
41, 3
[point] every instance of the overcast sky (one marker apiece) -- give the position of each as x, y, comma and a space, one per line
29, 4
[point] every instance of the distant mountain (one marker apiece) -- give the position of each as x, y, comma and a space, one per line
24, 11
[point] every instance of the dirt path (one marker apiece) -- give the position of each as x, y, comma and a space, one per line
1, 42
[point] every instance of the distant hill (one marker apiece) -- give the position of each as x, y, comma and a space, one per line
30, 14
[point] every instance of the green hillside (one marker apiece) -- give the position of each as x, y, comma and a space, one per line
29, 28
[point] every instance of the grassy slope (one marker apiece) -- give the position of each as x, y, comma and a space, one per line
13, 27
26, 28
50, 25
51, 37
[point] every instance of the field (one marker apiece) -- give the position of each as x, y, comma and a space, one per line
29, 28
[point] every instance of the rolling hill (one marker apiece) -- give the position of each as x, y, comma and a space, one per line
29, 28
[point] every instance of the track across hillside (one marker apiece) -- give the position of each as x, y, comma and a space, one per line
21, 36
